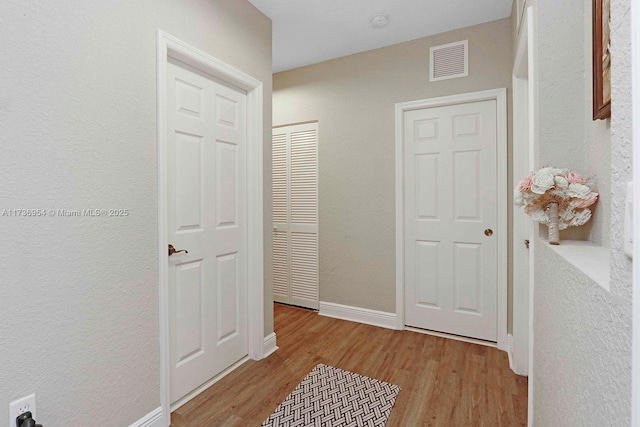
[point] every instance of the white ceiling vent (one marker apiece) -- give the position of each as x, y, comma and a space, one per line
449, 61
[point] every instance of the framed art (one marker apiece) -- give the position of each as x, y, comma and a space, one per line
601, 60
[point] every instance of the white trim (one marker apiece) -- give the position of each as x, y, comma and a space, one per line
500, 96
531, 16
169, 46
208, 384
503, 203
522, 52
152, 419
522, 227
523, 84
358, 314
270, 345
510, 351
399, 219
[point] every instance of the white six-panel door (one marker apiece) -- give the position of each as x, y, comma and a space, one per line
295, 214
206, 142
450, 219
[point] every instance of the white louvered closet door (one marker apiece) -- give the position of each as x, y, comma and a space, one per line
295, 215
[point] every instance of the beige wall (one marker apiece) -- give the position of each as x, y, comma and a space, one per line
353, 98
79, 296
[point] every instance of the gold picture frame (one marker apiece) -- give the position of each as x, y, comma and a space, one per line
601, 60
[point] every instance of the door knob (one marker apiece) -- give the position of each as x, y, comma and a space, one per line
173, 250
488, 232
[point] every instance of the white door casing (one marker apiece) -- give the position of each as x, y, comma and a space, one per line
171, 48
449, 250
522, 232
530, 17
206, 154
523, 163
295, 214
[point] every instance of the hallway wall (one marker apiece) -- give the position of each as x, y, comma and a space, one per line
79, 295
582, 332
354, 98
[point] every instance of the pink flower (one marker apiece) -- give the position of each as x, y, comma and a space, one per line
525, 184
588, 201
574, 178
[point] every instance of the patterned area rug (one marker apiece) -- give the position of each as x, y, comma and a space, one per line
331, 397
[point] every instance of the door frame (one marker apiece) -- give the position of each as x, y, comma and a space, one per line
523, 127
171, 47
500, 96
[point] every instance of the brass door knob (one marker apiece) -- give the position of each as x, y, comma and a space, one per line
488, 232
173, 250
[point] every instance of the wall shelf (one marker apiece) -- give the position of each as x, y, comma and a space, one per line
588, 257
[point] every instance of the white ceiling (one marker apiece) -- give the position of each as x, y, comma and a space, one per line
310, 31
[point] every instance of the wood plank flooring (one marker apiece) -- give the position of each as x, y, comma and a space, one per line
444, 382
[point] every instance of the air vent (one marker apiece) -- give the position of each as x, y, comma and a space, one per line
449, 61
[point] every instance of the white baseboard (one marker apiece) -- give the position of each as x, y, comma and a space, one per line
152, 419
270, 346
357, 314
510, 351
518, 362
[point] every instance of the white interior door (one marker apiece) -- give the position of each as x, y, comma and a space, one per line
450, 158
206, 156
295, 214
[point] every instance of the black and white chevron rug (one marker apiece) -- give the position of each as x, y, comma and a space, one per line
331, 397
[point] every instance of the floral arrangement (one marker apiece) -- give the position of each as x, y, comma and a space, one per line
565, 187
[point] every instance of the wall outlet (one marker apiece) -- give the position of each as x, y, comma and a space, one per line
20, 406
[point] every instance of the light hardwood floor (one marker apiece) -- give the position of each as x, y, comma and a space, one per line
444, 382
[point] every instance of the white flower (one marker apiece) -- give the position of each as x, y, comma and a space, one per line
567, 214
560, 192
561, 181
556, 171
581, 218
542, 181
579, 190
564, 186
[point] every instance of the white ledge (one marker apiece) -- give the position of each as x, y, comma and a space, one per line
588, 257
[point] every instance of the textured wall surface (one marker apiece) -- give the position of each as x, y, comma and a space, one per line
582, 333
621, 146
354, 98
597, 149
597, 165
568, 136
582, 349
79, 296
